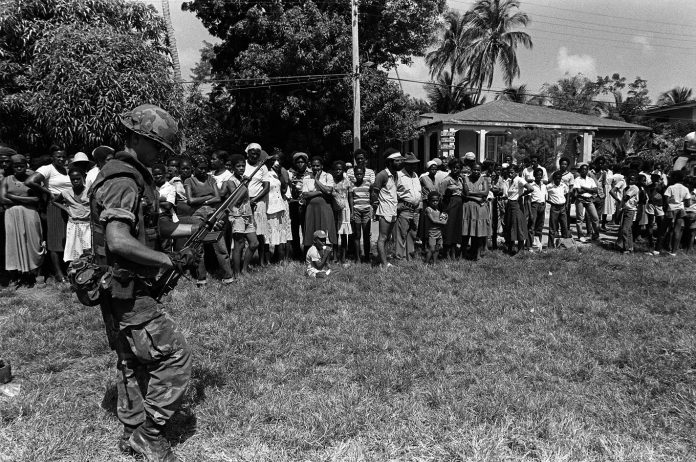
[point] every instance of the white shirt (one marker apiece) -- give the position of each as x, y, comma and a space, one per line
388, 195
91, 176
677, 194
557, 194
539, 192
56, 182
222, 178
528, 174
168, 192
276, 203
409, 188
587, 182
256, 184
515, 187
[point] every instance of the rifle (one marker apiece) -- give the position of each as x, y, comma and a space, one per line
204, 235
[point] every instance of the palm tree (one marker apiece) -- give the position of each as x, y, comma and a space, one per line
492, 40
446, 96
516, 94
451, 53
676, 95
171, 40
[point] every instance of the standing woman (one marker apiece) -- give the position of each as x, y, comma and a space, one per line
317, 192
258, 195
452, 190
203, 196
476, 218
53, 180
279, 231
23, 252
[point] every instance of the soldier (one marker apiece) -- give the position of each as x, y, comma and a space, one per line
126, 236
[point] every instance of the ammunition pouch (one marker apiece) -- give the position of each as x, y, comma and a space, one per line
87, 279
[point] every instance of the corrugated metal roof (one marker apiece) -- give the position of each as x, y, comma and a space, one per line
506, 113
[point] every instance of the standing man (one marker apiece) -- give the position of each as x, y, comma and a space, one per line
385, 199
408, 208
296, 203
126, 234
528, 172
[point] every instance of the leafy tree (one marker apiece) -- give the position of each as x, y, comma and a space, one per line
492, 39
575, 94
447, 96
676, 95
520, 94
26, 24
85, 77
290, 38
625, 107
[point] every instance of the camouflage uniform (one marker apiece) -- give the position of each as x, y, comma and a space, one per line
147, 341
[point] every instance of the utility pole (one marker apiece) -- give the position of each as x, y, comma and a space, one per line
356, 76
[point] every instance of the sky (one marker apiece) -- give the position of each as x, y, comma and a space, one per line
643, 38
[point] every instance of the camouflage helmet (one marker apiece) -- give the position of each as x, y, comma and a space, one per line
152, 122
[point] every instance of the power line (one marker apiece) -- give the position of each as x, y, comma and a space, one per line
606, 31
611, 16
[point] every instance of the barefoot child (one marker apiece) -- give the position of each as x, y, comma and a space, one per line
343, 209
241, 218
78, 234
556, 196
435, 221
361, 221
318, 256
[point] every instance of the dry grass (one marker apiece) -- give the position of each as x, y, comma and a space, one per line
551, 357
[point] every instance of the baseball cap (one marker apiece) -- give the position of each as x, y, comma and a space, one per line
319, 234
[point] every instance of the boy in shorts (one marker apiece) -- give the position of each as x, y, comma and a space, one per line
242, 219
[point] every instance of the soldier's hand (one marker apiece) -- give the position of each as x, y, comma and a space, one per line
183, 259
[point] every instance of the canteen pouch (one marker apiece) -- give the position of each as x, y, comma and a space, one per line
121, 284
85, 278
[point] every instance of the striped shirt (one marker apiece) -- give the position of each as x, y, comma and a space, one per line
361, 196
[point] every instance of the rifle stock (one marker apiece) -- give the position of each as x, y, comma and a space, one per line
170, 278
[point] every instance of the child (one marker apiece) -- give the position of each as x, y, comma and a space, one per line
318, 256
361, 220
537, 208
241, 218
78, 234
435, 221
342, 207
556, 196
629, 207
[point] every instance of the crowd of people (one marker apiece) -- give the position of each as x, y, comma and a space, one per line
302, 208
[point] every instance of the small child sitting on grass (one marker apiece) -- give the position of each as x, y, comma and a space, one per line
318, 256
435, 221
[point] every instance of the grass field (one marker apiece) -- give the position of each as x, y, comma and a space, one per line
558, 356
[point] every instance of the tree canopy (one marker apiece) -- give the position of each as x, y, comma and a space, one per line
68, 67
275, 42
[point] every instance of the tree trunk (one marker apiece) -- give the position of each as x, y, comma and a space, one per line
171, 40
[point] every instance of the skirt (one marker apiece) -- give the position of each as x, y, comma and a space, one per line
515, 223
261, 218
56, 223
476, 219
319, 216
453, 228
78, 238
342, 218
609, 205
278, 227
22, 239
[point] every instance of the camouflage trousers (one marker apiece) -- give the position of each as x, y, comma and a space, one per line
154, 369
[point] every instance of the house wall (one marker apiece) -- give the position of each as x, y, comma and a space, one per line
468, 141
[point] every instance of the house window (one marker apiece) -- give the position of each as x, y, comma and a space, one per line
493, 145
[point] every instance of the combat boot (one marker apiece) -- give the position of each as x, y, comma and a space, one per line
148, 441
123, 444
